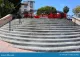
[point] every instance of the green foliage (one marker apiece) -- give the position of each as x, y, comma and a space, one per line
66, 9
10, 6
46, 10
17, 5
0, 1
76, 10
15, 1
6, 8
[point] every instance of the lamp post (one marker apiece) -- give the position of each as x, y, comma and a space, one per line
9, 25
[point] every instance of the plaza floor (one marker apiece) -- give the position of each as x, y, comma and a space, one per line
6, 47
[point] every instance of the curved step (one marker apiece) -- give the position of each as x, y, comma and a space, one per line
40, 34
47, 26
51, 25
19, 32
50, 36
47, 48
41, 39
32, 26
26, 30
44, 28
39, 43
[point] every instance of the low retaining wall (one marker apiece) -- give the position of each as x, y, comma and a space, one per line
5, 19
76, 20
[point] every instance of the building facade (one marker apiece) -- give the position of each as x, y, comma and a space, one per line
27, 5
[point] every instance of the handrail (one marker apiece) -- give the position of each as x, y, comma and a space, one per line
76, 20
5, 20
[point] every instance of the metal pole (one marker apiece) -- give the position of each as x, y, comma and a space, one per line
10, 26
19, 16
19, 20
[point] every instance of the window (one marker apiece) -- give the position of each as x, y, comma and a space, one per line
24, 9
31, 4
25, 6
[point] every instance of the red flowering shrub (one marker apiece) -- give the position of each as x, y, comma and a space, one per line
36, 16
65, 15
58, 15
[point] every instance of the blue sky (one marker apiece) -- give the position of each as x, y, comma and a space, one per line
58, 4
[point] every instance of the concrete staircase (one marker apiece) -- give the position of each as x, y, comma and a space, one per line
43, 35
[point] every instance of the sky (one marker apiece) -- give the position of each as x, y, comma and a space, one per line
58, 4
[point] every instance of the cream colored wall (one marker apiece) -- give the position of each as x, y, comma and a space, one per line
76, 20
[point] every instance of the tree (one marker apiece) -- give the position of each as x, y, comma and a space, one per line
5, 7
9, 6
66, 9
46, 10
76, 10
15, 1
17, 5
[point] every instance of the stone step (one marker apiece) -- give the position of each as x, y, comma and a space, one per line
38, 28
43, 28
58, 24
41, 39
50, 26
39, 43
32, 33
46, 31
33, 46
48, 49
63, 36
19, 32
